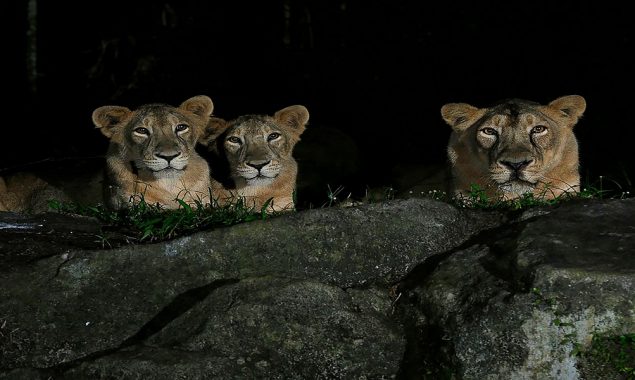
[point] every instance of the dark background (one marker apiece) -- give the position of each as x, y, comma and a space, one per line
373, 74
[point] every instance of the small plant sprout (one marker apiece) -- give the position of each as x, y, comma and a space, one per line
333, 194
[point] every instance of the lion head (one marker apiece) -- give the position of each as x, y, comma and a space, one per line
253, 157
515, 147
152, 152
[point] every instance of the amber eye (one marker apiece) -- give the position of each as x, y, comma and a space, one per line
538, 129
142, 131
273, 136
234, 139
181, 127
489, 131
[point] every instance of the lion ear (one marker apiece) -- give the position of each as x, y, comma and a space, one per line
109, 118
214, 128
570, 107
294, 117
460, 116
200, 105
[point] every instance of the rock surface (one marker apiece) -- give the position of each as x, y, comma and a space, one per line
412, 289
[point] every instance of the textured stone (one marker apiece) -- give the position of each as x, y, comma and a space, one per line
415, 289
83, 304
523, 303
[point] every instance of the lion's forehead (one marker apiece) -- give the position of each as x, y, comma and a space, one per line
161, 121
164, 118
257, 128
517, 119
167, 120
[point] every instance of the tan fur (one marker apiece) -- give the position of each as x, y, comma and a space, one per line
4, 196
149, 156
254, 158
70, 180
18, 192
515, 147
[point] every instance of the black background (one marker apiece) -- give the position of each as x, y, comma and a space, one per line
377, 71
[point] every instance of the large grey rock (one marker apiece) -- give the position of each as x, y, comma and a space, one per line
269, 328
26, 238
528, 299
84, 312
412, 289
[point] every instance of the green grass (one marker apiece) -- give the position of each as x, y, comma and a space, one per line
602, 188
144, 222
616, 350
477, 197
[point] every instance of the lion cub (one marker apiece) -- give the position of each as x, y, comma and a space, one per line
252, 158
515, 147
152, 153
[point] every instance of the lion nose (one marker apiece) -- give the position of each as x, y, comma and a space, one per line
516, 165
168, 157
259, 165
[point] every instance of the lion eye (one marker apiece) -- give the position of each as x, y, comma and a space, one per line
142, 131
538, 129
273, 136
181, 127
234, 139
489, 131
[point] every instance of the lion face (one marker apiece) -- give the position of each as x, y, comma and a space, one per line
251, 158
515, 147
159, 139
258, 148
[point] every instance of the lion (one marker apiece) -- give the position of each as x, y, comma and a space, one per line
252, 159
152, 156
25, 192
33, 187
514, 148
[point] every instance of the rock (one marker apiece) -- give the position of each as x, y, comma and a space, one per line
83, 311
25, 238
415, 289
269, 328
526, 302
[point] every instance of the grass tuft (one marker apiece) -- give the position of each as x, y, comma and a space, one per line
602, 188
477, 198
144, 222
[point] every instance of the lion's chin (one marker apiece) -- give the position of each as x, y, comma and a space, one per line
260, 180
517, 187
168, 172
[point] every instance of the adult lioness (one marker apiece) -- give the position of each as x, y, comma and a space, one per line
252, 158
515, 147
151, 155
